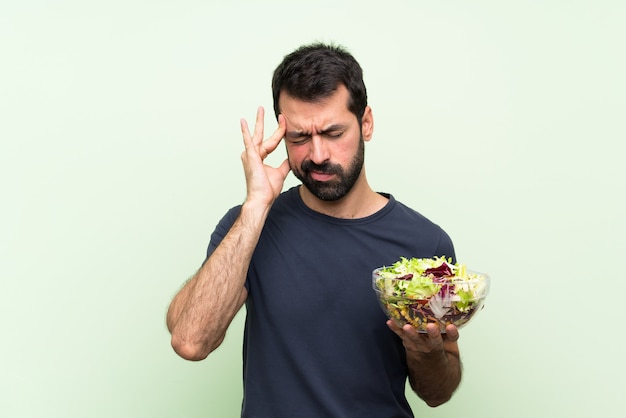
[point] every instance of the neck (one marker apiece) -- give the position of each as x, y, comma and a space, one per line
361, 201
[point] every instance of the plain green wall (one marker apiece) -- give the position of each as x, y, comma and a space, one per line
502, 121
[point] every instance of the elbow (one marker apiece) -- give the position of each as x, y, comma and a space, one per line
435, 398
433, 403
191, 351
438, 399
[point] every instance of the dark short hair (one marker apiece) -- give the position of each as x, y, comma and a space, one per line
315, 71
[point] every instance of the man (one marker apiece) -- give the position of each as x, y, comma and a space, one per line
316, 342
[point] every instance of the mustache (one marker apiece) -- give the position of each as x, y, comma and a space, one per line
326, 167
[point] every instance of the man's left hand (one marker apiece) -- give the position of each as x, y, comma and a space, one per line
430, 341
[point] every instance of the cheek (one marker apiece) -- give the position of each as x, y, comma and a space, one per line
295, 155
344, 153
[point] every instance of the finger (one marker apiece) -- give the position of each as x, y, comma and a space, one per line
257, 137
284, 168
433, 330
413, 340
394, 327
452, 333
272, 142
279, 133
410, 331
434, 336
245, 133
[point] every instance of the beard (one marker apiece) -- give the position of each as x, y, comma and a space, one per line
339, 186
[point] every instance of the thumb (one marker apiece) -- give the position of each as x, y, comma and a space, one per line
284, 168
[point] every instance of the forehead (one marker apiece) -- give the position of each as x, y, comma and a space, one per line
328, 110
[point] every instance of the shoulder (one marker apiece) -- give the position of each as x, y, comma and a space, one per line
404, 220
403, 211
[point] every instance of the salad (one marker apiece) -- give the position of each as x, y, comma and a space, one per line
422, 290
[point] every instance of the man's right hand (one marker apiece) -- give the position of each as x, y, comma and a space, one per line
263, 182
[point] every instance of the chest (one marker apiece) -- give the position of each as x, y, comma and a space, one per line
303, 272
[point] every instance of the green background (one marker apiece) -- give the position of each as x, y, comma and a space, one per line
502, 121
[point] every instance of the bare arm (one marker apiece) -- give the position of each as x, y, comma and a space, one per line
201, 312
433, 360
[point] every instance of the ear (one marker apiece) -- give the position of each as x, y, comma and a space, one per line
367, 124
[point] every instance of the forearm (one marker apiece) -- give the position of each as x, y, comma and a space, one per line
435, 376
204, 308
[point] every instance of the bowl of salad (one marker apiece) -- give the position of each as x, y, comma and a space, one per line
418, 291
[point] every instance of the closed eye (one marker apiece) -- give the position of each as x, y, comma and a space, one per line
333, 134
333, 131
297, 139
300, 137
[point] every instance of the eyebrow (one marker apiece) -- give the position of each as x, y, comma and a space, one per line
300, 134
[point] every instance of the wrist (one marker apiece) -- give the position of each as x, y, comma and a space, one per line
254, 211
428, 356
438, 358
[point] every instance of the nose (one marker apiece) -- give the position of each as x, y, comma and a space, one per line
318, 152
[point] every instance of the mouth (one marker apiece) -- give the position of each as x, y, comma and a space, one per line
321, 176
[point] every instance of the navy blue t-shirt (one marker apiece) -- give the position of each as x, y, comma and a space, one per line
316, 343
